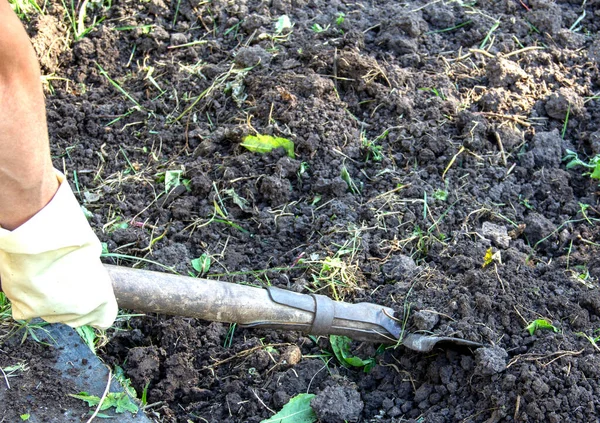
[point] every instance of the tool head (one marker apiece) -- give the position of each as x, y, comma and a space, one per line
426, 343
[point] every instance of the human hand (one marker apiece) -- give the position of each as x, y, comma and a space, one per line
50, 266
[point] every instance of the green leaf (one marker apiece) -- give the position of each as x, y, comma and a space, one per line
88, 214
540, 324
124, 403
172, 179
297, 410
88, 335
25, 416
202, 264
282, 23
265, 143
596, 172
91, 400
117, 400
341, 348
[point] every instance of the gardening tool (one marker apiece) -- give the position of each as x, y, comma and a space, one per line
154, 292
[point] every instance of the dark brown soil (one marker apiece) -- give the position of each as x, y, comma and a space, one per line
457, 105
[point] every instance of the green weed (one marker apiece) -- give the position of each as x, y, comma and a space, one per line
341, 349
440, 194
202, 264
93, 338
297, 410
77, 15
265, 143
540, 324
345, 175
438, 93
229, 336
573, 160
489, 35
318, 28
452, 28
25, 8
373, 147
566, 122
120, 401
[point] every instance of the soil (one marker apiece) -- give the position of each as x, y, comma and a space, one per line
426, 135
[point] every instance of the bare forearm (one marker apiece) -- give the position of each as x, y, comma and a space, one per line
27, 180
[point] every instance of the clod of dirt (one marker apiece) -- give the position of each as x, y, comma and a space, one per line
171, 255
424, 320
498, 234
143, 364
503, 72
252, 56
337, 404
399, 267
178, 39
562, 102
538, 227
546, 150
276, 190
489, 361
291, 356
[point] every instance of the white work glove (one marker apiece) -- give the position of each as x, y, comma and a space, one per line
50, 266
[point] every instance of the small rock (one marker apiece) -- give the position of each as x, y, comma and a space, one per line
489, 361
498, 234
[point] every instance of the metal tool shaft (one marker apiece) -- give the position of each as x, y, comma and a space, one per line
155, 292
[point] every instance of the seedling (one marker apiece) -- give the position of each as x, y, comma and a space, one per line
229, 336
566, 123
120, 401
202, 264
237, 199
525, 202
297, 410
77, 16
452, 28
373, 147
282, 24
24, 8
582, 274
318, 28
438, 93
93, 338
540, 324
265, 143
172, 179
124, 381
25, 417
489, 35
348, 179
341, 17
341, 349
118, 87
594, 164
440, 194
